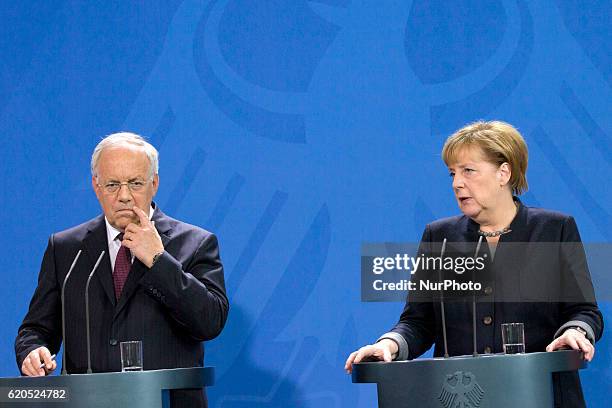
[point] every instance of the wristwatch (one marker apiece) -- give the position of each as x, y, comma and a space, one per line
156, 257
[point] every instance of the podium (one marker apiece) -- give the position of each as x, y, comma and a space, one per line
485, 381
138, 389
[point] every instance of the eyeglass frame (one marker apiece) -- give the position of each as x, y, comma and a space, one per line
129, 184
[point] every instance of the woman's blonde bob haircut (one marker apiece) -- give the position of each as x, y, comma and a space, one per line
499, 142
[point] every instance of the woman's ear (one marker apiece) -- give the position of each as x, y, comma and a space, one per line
503, 174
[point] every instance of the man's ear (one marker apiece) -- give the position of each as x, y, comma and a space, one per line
94, 185
155, 183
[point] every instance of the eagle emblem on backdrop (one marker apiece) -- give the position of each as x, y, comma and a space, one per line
460, 390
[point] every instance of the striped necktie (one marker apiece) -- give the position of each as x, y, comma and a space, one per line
123, 263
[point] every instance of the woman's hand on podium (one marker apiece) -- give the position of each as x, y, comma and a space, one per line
573, 339
384, 350
31, 365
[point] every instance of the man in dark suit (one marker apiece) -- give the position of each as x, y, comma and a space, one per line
160, 280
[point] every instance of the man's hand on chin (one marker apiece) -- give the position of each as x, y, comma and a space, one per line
143, 240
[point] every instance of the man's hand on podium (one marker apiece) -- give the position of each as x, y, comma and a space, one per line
31, 365
384, 350
572, 338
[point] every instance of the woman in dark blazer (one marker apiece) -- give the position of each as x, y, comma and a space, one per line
552, 295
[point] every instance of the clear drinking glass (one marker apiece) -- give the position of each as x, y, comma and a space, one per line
131, 355
513, 338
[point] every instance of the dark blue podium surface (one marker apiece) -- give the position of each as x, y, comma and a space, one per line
117, 390
485, 381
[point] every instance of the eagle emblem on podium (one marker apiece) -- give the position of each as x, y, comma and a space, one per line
460, 390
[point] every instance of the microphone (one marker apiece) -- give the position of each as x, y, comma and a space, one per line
76, 258
442, 300
87, 310
475, 353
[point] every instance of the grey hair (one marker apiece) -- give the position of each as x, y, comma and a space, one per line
126, 139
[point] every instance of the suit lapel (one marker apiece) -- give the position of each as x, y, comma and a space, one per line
138, 269
95, 242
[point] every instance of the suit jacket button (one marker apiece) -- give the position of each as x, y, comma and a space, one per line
113, 342
487, 320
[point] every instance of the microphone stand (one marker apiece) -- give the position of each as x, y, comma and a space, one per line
442, 299
76, 258
87, 311
475, 353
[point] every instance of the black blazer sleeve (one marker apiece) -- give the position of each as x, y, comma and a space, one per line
417, 321
42, 323
578, 300
194, 295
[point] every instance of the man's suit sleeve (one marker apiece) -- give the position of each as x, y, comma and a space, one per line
42, 324
195, 297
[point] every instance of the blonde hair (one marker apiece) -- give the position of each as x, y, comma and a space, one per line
500, 143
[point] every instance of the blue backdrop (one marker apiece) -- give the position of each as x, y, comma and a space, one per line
296, 130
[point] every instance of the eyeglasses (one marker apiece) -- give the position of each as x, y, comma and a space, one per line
135, 186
